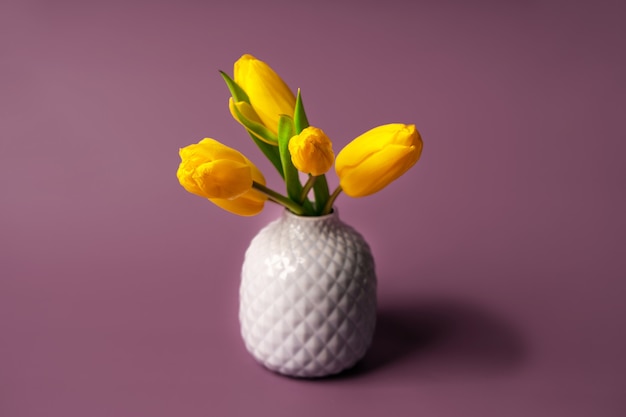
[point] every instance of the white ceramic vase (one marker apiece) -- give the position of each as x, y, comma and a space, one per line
308, 296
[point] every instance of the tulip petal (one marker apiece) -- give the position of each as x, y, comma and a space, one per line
223, 178
374, 140
245, 114
377, 171
248, 204
209, 149
269, 95
184, 173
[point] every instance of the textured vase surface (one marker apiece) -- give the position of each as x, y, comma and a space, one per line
308, 296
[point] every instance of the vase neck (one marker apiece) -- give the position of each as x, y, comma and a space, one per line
293, 218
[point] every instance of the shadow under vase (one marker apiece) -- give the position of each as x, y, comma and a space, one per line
439, 338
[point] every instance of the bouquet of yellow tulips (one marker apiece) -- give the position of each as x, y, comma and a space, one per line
275, 119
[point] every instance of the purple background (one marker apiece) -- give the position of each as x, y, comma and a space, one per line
500, 255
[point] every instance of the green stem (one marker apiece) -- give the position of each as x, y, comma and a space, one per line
320, 189
279, 198
307, 187
329, 204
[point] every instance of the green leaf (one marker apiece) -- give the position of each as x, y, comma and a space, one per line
235, 91
271, 152
292, 181
299, 117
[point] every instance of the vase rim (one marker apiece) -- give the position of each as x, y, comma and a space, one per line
333, 214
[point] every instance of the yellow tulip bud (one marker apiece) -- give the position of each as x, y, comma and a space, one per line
269, 95
311, 151
221, 174
377, 157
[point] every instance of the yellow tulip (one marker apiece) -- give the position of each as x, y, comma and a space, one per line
212, 170
269, 95
311, 151
377, 157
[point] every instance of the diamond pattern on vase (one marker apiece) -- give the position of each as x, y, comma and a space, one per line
308, 296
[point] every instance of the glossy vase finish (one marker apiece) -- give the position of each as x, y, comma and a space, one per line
308, 296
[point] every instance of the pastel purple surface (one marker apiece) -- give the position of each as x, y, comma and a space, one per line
500, 255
